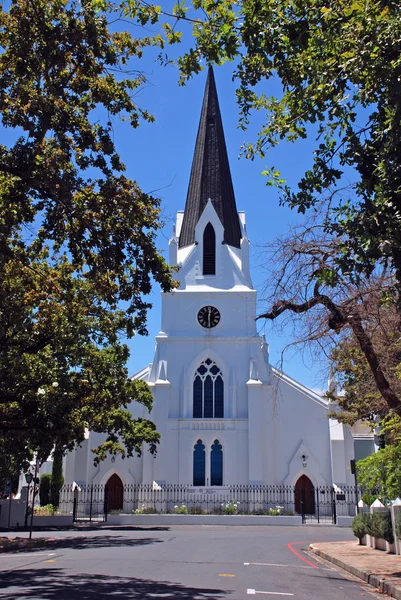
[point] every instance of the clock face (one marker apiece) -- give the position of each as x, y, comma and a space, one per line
208, 317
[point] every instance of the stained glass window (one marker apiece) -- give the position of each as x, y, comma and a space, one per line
199, 463
216, 464
208, 390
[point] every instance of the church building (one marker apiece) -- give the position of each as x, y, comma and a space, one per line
226, 416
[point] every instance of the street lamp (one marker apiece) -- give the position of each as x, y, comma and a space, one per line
28, 479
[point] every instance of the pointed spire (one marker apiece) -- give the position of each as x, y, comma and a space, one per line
210, 174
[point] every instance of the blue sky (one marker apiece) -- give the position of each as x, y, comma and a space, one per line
159, 157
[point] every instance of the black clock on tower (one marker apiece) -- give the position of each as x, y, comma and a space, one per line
208, 317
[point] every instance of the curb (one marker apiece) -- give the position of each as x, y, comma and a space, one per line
381, 583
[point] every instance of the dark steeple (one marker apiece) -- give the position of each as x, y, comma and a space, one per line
210, 174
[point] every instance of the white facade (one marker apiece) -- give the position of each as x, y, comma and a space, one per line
274, 430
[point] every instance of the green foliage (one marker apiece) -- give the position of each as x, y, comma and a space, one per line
397, 525
360, 525
382, 470
78, 236
47, 510
57, 478
44, 489
145, 510
381, 526
181, 510
196, 510
231, 508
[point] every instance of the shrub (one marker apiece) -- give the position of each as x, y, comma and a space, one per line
360, 525
385, 527
181, 510
196, 510
44, 489
381, 526
398, 524
45, 511
145, 510
275, 512
231, 508
115, 511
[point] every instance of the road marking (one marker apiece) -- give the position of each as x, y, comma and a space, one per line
276, 565
308, 562
226, 575
51, 560
252, 592
25, 554
286, 566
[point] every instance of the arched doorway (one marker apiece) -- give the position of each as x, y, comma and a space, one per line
304, 496
114, 493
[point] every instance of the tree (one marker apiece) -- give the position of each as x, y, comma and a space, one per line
77, 236
381, 474
360, 398
44, 489
340, 71
57, 476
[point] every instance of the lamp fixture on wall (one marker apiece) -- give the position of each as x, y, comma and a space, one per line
303, 458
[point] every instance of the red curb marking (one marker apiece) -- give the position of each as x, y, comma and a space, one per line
308, 562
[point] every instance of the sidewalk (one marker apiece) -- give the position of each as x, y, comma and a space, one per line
379, 569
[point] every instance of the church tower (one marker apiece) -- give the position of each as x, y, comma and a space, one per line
210, 364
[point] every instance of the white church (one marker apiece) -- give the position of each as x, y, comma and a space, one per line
225, 415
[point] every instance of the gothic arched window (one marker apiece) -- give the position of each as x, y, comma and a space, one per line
199, 463
208, 392
216, 464
209, 250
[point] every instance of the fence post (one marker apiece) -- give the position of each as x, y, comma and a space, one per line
105, 503
334, 506
90, 506
317, 504
74, 510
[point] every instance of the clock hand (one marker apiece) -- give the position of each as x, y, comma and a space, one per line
208, 316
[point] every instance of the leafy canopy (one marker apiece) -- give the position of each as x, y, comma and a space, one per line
77, 236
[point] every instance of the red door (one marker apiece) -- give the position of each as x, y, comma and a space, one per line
114, 493
304, 496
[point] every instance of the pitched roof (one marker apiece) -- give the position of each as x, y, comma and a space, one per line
210, 174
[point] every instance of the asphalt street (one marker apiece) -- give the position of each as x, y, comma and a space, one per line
180, 562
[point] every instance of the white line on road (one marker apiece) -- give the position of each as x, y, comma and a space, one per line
252, 592
25, 554
277, 565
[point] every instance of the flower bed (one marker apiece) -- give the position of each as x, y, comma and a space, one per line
202, 519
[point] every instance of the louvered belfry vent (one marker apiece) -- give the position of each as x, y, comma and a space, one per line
209, 250
210, 174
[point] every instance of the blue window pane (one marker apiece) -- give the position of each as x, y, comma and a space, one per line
216, 464
215, 369
219, 398
208, 398
208, 361
197, 398
202, 370
199, 463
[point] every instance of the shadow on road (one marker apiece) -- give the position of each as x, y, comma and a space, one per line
53, 584
83, 542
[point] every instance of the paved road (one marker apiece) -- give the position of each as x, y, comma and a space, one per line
181, 562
